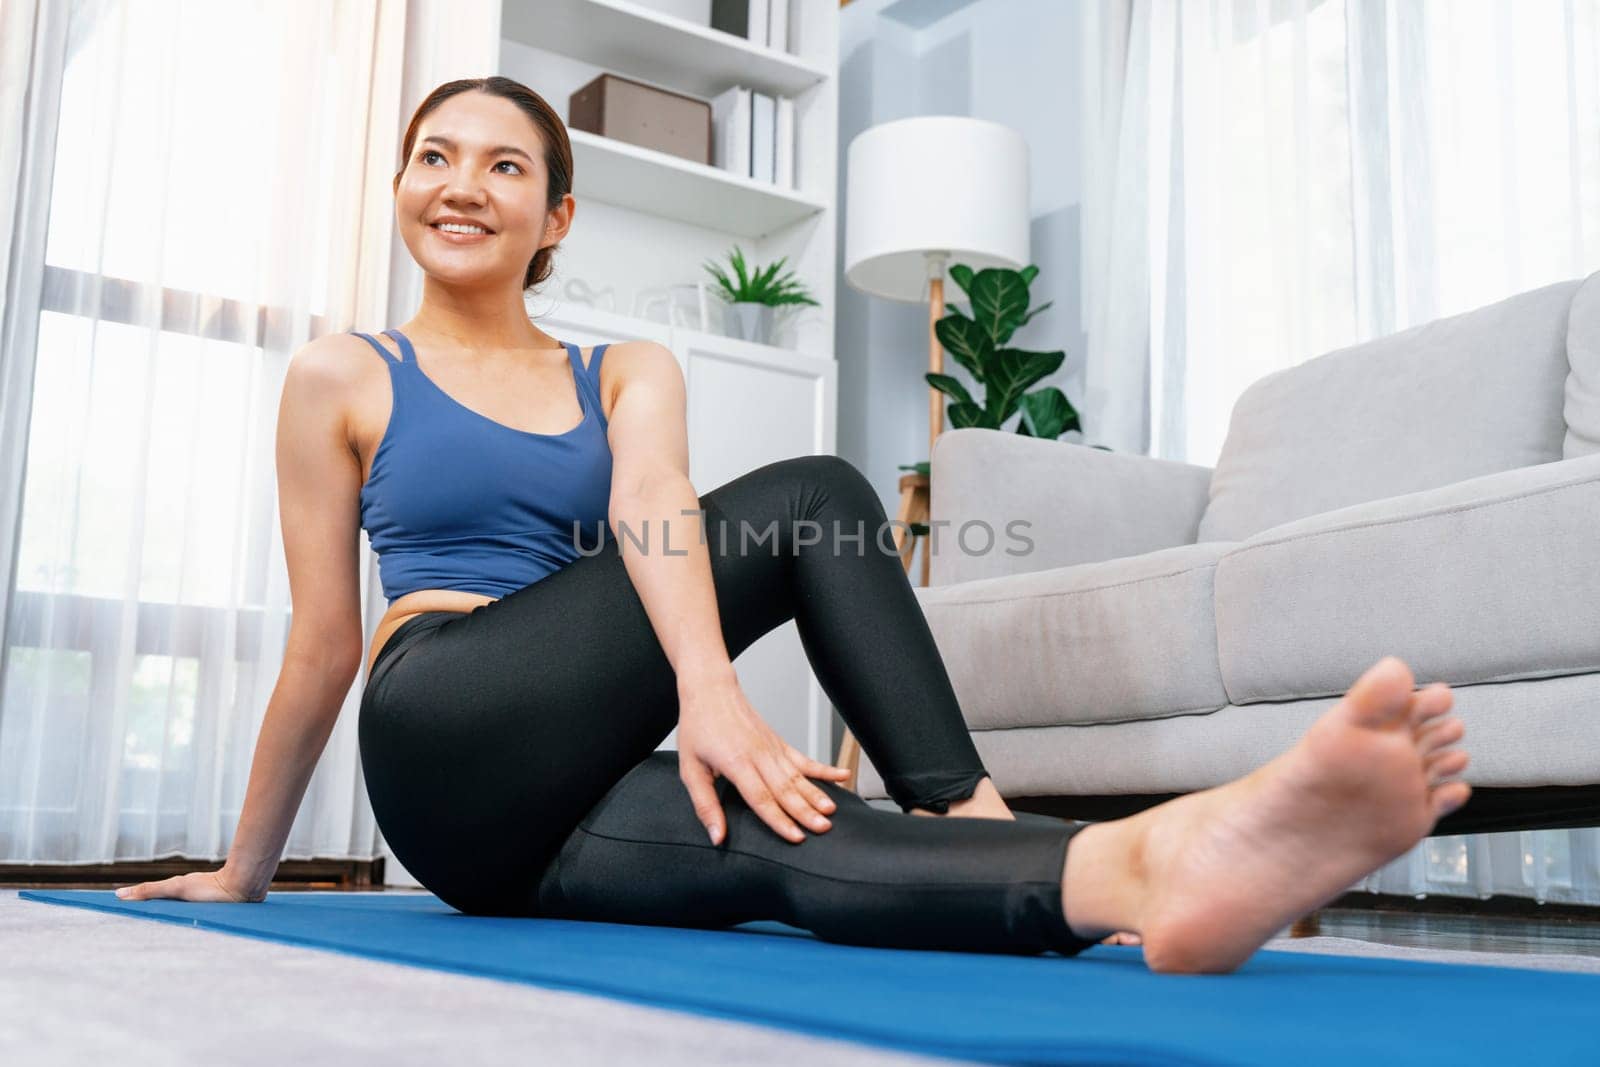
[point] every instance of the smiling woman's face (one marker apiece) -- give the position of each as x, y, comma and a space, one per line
477, 158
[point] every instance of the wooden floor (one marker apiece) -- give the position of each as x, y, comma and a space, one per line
1570, 936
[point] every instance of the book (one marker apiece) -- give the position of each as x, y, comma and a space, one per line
730, 130
695, 11
783, 156
778, 25
731, 16
763, 136
756, 31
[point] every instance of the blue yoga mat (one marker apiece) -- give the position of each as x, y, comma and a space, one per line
1103, 1007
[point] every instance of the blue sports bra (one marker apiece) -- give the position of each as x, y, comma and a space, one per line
456, 500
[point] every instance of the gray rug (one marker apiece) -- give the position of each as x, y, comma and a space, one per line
85, 987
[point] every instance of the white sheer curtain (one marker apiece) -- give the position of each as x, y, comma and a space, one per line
189, 192
1267, 181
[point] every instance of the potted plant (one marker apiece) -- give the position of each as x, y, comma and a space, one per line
999, 300
753, 301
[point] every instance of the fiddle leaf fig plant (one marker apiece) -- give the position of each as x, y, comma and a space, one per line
999, 302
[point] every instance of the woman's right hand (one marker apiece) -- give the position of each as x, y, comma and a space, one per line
210, 886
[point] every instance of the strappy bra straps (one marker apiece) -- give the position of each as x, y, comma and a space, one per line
593, 370
388, 356
409, 354
588, 376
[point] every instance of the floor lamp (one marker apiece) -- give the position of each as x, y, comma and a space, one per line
922, 194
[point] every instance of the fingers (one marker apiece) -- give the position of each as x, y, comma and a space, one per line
696, 777
812, 769
797, 794
204, 886
813, 792
166, 887
753, 788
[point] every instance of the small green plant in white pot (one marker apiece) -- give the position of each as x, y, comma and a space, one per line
753, 302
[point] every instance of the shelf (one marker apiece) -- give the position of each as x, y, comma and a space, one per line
637, 41
618, 324
676, 188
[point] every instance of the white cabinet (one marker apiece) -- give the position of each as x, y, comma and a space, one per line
748, 405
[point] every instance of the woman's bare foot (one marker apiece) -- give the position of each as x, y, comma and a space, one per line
1207, 878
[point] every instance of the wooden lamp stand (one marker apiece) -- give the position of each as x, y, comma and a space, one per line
915, 496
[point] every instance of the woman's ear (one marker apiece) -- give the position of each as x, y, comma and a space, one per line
559, 220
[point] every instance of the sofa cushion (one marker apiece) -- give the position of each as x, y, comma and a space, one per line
1583, 382
1457, 398
1491, 579
1004, 503
1129, 638
1519, 735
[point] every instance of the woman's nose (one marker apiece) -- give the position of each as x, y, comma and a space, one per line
464, 188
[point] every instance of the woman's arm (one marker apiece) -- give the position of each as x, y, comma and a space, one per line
300, 716
718, 731
651, 495
319, 485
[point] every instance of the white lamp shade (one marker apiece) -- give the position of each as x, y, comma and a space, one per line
935, 183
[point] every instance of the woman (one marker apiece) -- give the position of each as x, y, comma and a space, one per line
526, 670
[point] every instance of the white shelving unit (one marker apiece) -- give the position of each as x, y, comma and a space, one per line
625, 35
660, 184
646, 220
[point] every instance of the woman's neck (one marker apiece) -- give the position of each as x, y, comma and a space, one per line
477, 319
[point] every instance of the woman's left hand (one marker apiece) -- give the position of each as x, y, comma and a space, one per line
719, 733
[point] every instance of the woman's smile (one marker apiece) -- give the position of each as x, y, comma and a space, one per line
457, 235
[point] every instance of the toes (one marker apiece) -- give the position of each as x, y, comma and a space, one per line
1430, 702
1444, 764
1439, 733
1382, 694
1448, 798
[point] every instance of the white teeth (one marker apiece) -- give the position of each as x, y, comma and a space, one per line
456, 227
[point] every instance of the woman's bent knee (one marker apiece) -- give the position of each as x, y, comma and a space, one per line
827, 470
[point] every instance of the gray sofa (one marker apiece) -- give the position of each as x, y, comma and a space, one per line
1434, 494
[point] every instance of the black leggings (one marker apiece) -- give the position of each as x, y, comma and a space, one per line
510, 752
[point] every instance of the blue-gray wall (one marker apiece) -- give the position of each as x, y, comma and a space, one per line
1014, 62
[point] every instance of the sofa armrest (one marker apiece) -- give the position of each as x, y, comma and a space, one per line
1003, 503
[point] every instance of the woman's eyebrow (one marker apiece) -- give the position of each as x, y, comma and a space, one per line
500, 149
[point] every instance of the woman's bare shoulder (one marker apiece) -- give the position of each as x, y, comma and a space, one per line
335, 374
625, 360
339, 355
